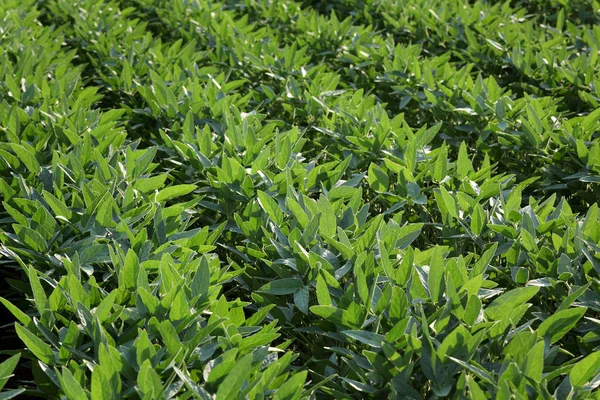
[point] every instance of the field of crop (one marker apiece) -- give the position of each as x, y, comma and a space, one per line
269, 199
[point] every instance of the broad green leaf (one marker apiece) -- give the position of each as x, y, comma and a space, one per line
292, 388
131, 270
301, 299
435, 279
407, 234
11, 394
361, 281
149, 381
331, 313
147, 185
230, 387
477, 220
298, 212
455, 343
27, 158
323, 296
201, 282
585, 370
7, 368
533, 365
282, 286
366, 337
100, 387
172, 192
311, 229
568, 301
39, 295
463, 164
560, 323
378, 179
505, 230
359, 386
472, 309
71, 387
31, 238
327, 222
484, 261
475, 391
170, 337
426, 135
508, 301
23, 318
519, 345
398, 304
59, 208
270, 206
450, 202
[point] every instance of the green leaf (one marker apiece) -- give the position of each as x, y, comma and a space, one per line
101, 388
455, 343
519, 345
359, 386
219, 371
11, 394
327, 222
407, 234
170, 338
426, 135
435, 279
366, 337
361, 281
147, 185
568, 301
31, 238
18, 314
475, 391
484, 261
174, 191
298, 212
71, 386
27, 158
149, 381
472, 309
301, 299
507, 302
59, 208
450, 202
463, 164
39, 295
378, 179
7, 368
330, 313
533, 365
292, 388
368, 237
559, 324
311, 230
398, 304
478, 371
585, 370
477, 219
505, 230
323, 297
201, 282
282, 286
230, 387
131, 270
270, 206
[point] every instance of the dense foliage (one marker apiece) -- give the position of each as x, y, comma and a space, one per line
286, 199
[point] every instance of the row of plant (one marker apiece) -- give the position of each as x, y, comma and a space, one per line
279, 199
